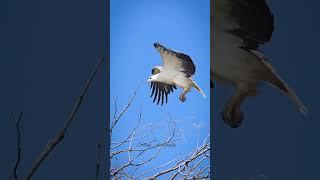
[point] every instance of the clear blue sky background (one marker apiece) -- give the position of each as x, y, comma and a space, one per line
179, 25
275, 140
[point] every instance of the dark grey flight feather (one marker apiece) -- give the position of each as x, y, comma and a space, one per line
159, 94
159, 90
162, 96
166, 94
188, 65
156, 93
153, 88
255, 22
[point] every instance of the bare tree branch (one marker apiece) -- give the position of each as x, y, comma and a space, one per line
157, 168
183, 164
133, 146
15, 169
56, 140
142, 144
117, 118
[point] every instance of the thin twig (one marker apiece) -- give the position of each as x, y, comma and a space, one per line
56, 140
157, 168
117, 118
138, 146
145, 147
181, 165
15, 169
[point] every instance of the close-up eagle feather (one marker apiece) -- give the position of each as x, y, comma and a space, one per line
238, 29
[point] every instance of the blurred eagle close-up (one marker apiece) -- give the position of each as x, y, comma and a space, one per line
238, 29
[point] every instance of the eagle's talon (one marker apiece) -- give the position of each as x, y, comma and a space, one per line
182, 98
232, 118
235, 124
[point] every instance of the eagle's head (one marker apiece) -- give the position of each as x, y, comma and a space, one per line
153, 78
155, 71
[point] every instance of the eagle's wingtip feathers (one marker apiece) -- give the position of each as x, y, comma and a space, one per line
156, 44
304, 111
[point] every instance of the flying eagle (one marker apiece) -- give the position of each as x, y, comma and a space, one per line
238, 28
177, 70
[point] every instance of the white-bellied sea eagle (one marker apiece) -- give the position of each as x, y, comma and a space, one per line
238, 28
177, 70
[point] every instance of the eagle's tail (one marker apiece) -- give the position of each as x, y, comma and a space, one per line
197, 88
275, 80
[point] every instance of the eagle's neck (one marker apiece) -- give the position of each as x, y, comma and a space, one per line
164, 78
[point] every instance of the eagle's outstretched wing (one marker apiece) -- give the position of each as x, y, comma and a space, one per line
159, 89
237, 24
249, 20
175, 60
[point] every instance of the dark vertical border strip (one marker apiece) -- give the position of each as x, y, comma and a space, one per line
106, 41
211, 99
108, 91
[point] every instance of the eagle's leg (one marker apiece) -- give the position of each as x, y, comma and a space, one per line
232, 114
185, 84
182, 96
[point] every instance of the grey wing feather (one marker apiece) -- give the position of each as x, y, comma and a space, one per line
185, 60
250, 20
187, 64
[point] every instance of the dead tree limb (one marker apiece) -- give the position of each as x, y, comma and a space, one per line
52, 143
139, 147
16, 166
132, 147
117, 118
181, 165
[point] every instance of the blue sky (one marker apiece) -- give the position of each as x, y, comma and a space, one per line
179, 25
